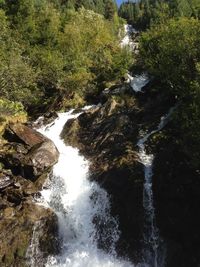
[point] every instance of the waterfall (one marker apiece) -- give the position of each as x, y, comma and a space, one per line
82, 207
154, 251
138, 81
127, 39
33, 254
87, 231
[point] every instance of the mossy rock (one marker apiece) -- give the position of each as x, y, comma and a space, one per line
17, 232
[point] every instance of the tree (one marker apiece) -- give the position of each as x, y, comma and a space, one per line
110, 9
170, 52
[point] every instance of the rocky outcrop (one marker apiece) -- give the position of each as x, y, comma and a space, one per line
177, 200
28, 232
19, 216
107, 135
28, 152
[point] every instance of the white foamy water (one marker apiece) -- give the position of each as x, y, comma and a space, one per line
138, 82
127, 41
154, 251
82, 207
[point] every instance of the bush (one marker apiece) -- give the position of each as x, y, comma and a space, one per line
170, 52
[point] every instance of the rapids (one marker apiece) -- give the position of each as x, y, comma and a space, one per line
82, 207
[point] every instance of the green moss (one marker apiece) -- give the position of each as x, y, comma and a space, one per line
9, 259
11, 112
10, 108
75, 102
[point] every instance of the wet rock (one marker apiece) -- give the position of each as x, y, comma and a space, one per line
117, 89
177, 200
107, 136
14, 196
17, 233
27, 158
45, 119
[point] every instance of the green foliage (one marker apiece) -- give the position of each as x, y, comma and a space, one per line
56, 49
8, 108
104, 7
143, 13
139, 13
10, 111
186, 121
93, 52
170, 52
17, 78
110, 9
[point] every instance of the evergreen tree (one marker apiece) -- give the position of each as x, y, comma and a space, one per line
110, 9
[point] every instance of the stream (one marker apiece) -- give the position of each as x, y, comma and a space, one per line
87, 231
82, 207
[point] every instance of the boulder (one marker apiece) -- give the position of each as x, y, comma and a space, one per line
28, 232
21, 133
42, 157
29, 153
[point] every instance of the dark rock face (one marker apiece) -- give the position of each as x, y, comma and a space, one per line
29, 153
19, 216
177, 199
22, 226
27, 157
107, 136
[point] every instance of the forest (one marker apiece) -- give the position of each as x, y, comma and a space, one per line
143, 13
169, 51
60, 55
49, 58
49, 53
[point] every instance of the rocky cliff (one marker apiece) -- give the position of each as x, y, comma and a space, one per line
26, 159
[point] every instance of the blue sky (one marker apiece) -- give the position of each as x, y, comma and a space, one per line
119, 2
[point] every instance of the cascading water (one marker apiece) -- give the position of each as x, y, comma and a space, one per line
127, 41
82, 208
87, 231
138, 82
152, 241
154, 251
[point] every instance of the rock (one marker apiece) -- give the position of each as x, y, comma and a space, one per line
177, 199
14, 196
45, 119
20, 133
117, 89
29, 153
28, 157
17, 185
5, 180
40, 158
107, 136
18, 232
